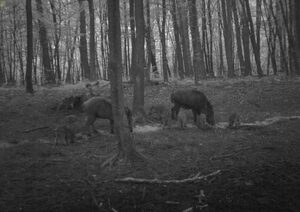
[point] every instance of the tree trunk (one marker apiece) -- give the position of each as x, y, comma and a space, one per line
49, 74
178, 50
228, 35
148, 41
93, 74
183, 17
221, 68
29, 87
238, 38
56, 42
83, 43
198, 63
162, 33
139, 60
255, 46
297, 31
125, 146
132, 32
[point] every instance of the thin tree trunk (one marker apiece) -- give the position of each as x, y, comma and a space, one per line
83, 43
228, 35
29, 87
49, 74
148, 41
238, 37
297, 31
56, 42
93, 74
178, 50
125, 145
254, 42
221, 68
183, 16
139, 60
162, 33
132, 33
198, 63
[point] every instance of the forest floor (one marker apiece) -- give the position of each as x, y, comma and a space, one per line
258, 168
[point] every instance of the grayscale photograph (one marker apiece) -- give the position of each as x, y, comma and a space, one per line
149, 105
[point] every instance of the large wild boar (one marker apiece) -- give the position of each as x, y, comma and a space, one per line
194, 100
98, 107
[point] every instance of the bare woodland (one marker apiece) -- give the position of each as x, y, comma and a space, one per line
66, 66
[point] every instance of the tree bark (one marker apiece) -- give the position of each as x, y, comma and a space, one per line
183, 17
256, 49
29, 87
139, 60
238, 37
162, 32
297, 31
93, 74
48, 72
178, 50
228, 35
125, 146
56, 42
198, 63
83, 43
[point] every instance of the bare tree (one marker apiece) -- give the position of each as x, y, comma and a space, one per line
49, 74
228, 35
178, 49
125, 146
198, 63
92, 41
183, 29
254, 41
162, 35
139, 60
83, 43
297, 31
29, 87
57, 40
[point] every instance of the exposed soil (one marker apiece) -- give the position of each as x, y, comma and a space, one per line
259, 166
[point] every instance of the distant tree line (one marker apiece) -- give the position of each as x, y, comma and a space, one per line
171, 39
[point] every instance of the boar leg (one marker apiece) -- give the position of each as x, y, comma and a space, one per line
175, 111
90, 122
111, 126
195, 115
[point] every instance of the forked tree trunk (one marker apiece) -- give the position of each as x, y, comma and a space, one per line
125, 145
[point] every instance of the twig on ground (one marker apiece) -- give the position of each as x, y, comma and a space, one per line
157, 181
35, 129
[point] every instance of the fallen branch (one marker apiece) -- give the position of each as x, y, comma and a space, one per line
35, 129
157, 181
